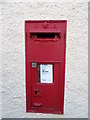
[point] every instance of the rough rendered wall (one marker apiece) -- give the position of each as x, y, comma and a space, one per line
13, 47
0, 61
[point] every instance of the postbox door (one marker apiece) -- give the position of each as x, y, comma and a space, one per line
45, 46
45, 83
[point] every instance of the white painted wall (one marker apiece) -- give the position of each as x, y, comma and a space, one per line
0, 61
13, 55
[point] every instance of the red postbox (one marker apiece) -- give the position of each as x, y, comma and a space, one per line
45, 46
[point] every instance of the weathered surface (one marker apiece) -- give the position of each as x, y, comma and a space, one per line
13, 48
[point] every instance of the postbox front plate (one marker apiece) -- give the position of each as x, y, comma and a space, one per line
45, 46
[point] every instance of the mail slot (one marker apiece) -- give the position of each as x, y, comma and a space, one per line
45, 47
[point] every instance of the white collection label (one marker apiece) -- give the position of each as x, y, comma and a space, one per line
46, 73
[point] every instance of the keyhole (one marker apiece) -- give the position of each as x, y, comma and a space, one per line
35, 92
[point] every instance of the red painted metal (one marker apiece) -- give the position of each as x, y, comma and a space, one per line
50, 50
